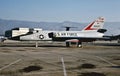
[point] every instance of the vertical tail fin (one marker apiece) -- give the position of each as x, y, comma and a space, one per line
95, 25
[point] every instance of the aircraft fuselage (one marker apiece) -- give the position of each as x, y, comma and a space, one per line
63, 35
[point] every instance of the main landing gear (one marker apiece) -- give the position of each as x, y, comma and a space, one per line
75, 43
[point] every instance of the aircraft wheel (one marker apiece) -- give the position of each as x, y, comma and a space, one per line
79, 44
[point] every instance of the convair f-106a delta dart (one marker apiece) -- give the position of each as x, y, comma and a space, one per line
90, 33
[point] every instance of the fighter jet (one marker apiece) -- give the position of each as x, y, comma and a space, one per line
91, 32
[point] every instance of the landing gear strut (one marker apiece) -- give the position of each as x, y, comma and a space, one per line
74, 44
118, 40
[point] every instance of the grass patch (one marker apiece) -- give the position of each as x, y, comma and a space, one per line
31, 68
92, 74
83, 66
10, 73
86, 66
116, 67
20, 50
6, 51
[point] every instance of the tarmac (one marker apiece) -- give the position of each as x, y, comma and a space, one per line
100, 58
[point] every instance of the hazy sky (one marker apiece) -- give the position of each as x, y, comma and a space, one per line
60, 10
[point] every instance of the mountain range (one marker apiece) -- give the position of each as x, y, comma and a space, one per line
113, 28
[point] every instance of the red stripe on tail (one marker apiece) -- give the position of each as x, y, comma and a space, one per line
89, 27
